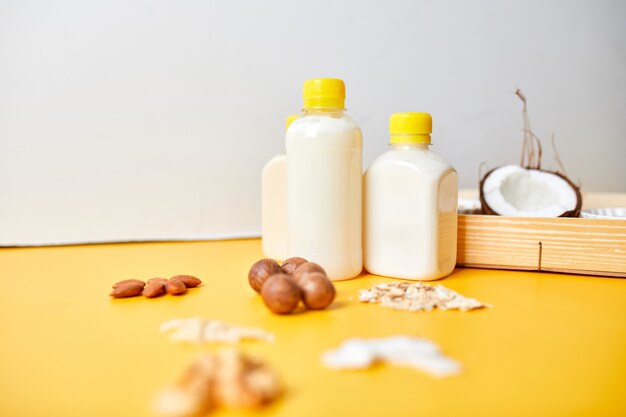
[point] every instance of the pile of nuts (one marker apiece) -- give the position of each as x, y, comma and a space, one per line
155, 287
282, 288
227, 378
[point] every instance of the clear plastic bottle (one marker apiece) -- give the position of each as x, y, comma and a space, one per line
410, 205
324, 177
274, 204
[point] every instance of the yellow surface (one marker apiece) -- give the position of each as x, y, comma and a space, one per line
553, 345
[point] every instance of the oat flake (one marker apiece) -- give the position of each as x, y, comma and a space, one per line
417, 296
200, 330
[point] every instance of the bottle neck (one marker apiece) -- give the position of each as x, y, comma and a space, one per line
323, 111
410, 146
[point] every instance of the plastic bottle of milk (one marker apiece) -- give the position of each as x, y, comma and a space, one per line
274, 204
324, 177
410, 205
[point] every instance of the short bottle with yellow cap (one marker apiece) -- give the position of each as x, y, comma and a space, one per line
324, 182
274, 204
410, 205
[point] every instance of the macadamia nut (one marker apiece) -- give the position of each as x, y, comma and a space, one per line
261, 271
281, 294
291, 264
317, 290
307, 268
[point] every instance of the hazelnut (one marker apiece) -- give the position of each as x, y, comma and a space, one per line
261, 271
281, 294
307, 268
317, 290
290, 265
175, 287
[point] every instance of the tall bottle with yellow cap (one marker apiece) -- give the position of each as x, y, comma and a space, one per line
324, 182
410, 205
274, 204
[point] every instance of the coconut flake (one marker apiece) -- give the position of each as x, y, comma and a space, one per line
417, 353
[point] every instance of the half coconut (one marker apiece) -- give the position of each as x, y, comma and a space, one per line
513, 190
526, 190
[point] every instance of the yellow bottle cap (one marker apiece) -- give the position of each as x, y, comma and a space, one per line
410, 127
320, 93
290, 120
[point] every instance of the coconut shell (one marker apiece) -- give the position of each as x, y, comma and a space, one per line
572, 213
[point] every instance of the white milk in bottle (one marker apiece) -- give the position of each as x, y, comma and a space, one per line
410, 206
274, 204
324, 182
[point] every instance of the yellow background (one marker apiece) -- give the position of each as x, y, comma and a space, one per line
552, 345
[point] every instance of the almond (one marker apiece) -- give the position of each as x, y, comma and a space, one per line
128, 289
127, 281
154, 288
188, 280
175, 287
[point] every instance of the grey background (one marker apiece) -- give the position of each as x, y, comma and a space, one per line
152, 119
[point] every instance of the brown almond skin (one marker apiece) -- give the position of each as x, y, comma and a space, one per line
281, 294
291, 264
128, 289
127, 281
154, 287
261, 271
175, 287
188, 280
307, 268
317, 290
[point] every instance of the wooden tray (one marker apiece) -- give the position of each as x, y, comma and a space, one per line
569, 245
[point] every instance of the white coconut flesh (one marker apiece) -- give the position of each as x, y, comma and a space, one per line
512, 190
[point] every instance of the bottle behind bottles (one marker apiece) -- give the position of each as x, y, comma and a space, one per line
324, 182
274, 204
410, 205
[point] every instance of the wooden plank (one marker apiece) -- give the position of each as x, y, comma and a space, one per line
580, 246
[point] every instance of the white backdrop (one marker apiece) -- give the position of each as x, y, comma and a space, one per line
152, 119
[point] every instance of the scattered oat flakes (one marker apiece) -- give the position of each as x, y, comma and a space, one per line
409, 351
417, 296
200, 330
